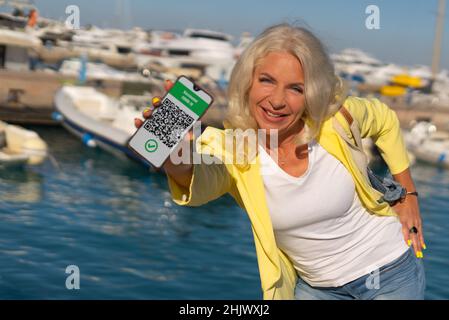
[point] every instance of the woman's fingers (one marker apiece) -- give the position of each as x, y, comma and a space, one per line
415, 244
138, 123
156, 102
168, 85
406, 235
415, 240
410, 219
189, 135
421, 237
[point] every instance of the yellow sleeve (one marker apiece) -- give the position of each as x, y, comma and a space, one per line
209, 182
377, 121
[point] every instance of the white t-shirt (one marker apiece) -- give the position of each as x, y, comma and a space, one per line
320, 223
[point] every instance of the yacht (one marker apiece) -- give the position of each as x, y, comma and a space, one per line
210, 51
98, 120
428, 144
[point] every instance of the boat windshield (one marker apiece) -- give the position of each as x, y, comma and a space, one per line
208, 36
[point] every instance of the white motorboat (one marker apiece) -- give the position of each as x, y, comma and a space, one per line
201, 44
15, 48
100, 121
439, 97
427, 144
112, 47
210, 51
374, 72
245, 40
355, 62
19, 146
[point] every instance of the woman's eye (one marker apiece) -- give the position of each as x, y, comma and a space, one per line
298, 89
265, 80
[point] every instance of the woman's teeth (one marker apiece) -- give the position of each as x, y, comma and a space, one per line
274, 115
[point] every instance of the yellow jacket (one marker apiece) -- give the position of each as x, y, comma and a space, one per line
278, 276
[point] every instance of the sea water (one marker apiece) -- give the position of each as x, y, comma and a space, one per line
114, 220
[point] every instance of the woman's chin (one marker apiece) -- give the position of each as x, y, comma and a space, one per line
270, 126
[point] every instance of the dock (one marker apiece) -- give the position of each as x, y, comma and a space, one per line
27, 97
438, 115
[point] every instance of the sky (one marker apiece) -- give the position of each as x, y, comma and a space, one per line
406, 33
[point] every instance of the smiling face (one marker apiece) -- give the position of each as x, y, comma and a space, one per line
276, 97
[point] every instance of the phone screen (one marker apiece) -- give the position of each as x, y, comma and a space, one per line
181, 107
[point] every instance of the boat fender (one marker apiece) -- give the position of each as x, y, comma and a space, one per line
57, 116
88, 140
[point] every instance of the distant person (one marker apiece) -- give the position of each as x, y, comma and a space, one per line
17, 12
320, 230
32, 18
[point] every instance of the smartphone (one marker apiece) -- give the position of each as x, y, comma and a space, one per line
183, 105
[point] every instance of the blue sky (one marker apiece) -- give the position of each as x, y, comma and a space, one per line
405, 36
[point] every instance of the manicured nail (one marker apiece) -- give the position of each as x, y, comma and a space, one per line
409, 242
419, 255
424, 246
146, 110
156, 100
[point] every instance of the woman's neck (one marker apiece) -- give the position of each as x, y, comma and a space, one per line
286, 140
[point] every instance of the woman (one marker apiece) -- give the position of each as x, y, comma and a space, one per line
320, 230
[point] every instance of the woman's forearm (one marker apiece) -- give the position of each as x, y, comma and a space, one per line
182, 172
405, 179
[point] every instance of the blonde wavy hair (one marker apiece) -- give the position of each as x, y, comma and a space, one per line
324, 91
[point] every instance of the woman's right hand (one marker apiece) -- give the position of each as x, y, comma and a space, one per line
156, 101
181, 173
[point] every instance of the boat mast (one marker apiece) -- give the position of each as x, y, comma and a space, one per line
123, 14
438, 40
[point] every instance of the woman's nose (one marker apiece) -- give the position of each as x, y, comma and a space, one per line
277, 99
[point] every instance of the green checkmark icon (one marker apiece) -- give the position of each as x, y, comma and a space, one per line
151, 145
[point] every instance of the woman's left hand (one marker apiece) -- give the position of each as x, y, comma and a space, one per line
409, 216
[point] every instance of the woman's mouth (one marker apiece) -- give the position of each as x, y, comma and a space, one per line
273, 116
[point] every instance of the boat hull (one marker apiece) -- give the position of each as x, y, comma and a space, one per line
92, 132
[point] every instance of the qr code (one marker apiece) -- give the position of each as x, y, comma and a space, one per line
168, 123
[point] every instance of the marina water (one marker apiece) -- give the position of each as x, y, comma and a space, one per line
116, 222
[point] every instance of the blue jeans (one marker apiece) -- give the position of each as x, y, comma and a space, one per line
402, 279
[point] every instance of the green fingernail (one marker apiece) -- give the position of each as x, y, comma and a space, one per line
424, 246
